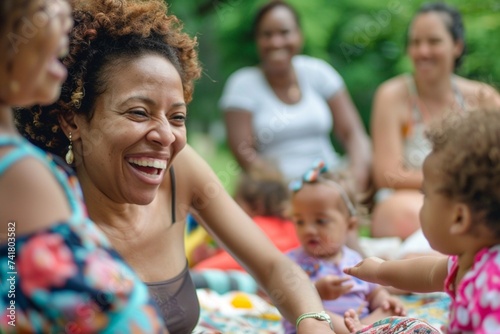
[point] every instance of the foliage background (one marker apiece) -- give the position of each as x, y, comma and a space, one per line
362, 39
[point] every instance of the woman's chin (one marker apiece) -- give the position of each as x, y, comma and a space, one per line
48, 96
142, 199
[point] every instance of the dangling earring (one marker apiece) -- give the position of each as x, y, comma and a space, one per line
69, 156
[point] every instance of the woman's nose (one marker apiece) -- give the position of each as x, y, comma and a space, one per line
423, 49
276, 40
161, 134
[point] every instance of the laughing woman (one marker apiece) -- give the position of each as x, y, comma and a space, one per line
122, 115
58, 271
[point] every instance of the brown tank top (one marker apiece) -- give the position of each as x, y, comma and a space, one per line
176, 297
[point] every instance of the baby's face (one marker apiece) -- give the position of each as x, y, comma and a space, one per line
321, 220
437, 214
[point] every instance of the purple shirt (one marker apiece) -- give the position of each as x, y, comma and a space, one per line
317, 268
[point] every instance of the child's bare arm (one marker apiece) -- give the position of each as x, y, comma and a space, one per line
422, 274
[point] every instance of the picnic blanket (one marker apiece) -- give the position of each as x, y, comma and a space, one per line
246, 313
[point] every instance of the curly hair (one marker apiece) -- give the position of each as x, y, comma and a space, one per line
264, 191
341, 180
346, 183
469, 145
106, 33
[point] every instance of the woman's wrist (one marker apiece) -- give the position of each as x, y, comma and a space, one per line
306, 320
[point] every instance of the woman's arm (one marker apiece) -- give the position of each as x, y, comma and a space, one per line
389, 104
241, 138
349, 129
487, 96
287, 285
421, 274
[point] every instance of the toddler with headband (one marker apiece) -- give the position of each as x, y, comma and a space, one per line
323, 211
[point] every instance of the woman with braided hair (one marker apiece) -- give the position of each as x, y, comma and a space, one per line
58, 271
120, 122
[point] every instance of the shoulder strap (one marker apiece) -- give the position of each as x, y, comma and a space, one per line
18, 152
172, 187
23, 149
412, 89
458, 94
12, 157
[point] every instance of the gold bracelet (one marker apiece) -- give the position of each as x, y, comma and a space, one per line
322, 316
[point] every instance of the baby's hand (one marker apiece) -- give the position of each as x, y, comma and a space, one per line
394, 305
366, 269
332, 287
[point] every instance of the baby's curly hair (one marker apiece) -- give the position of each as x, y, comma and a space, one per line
107, 32
469, 145
264, 191
345, 180
341, 180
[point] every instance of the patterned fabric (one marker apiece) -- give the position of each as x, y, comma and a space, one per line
66, 278
399, 325
236, 313
475, 302
219, 315
317, 268
432, 307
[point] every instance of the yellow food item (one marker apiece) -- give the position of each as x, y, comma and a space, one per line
241, 300
271, 316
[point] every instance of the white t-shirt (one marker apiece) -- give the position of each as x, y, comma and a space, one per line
291, 136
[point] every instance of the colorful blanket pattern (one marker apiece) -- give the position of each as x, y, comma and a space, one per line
432, 308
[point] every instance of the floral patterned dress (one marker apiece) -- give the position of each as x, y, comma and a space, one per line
66, 278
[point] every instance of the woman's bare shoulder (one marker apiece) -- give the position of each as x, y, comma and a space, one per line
478, 94
30, 184
191, 170
391, 97
395, 88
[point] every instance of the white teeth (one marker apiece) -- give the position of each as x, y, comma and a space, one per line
277, 54
155, 163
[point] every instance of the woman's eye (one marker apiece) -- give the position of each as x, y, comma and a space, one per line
138, 112
434, 40
180, 118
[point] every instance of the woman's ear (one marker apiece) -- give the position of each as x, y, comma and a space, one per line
352, 223
462, 219
458, 49
69, 124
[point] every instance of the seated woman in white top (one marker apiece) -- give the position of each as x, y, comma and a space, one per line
283, 111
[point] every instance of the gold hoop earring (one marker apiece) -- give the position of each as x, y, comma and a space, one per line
70, 157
